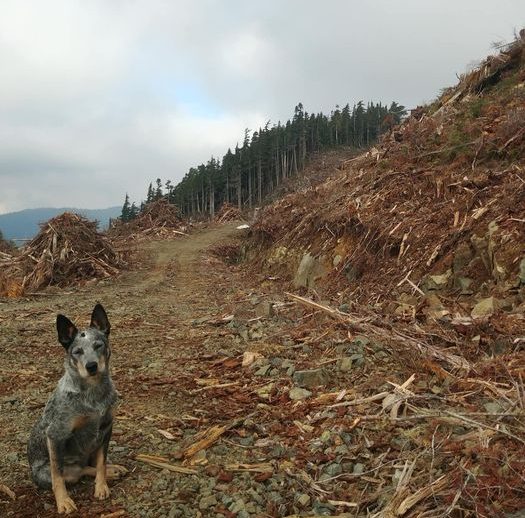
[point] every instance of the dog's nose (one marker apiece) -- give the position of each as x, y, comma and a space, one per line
91, 367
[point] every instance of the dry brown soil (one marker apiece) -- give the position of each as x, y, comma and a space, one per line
156, 352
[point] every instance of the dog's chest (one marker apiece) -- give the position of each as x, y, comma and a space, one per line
87, 437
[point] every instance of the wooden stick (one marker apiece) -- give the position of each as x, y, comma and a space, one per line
7, 491
116, 514
252, 468
417, 288
219, 385
209, 437
343, 503
335, 313
375, 397
421, 494
154, 461
483, 425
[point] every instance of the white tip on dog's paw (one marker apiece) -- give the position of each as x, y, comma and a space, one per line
101, 491
65, 505
115, 471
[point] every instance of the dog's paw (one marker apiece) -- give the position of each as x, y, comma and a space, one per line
65, 505
101, 490
114, 471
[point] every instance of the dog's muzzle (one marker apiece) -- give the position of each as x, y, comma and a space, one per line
92, 367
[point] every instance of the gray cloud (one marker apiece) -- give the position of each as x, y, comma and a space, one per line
98, 98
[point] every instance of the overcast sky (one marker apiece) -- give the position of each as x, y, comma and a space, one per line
100, 97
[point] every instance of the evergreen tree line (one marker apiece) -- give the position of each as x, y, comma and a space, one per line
269, 156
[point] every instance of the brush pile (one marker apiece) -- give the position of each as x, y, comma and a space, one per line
228, 212
6, 247
157, 219
489, 72
158, 214
68, 250
443, 194
421, 242
11, 276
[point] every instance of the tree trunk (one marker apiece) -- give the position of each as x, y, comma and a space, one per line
227, 186
303, 149
239, 188
259, 182
212, 201
250, 200
277, 168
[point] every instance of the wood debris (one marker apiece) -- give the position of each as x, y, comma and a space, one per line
250, 468
67, 251
363, 324
158, 219
228, 212
163, 463
166, 434
204, 440
4, 489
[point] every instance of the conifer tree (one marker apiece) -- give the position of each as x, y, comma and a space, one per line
158, 191
133, 211
125, 214
150, 195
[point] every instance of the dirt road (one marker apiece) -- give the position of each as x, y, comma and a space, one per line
156, 354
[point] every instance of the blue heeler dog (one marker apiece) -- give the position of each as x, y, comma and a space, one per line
71, 438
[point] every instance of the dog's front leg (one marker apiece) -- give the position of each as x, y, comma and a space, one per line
56, 464
101, 485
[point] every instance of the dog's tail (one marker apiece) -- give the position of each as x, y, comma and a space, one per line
38, 459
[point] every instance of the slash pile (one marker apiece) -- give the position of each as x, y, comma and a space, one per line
6, 247
439, 203
158, 219
67, 250
228, 212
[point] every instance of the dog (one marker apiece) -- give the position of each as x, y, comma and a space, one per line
71, 438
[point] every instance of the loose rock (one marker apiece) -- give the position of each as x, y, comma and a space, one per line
311, 378
484, 308
297, 394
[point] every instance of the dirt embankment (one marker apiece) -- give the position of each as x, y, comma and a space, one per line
428, 226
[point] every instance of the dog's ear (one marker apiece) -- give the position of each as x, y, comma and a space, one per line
99, 320
66, 331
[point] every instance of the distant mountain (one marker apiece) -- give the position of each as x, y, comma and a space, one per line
24, 224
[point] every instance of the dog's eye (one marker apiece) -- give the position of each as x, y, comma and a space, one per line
98, 346
78, 352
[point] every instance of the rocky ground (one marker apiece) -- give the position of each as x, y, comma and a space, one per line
238, 400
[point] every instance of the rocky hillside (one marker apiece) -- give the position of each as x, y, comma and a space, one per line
411, 259
430, 223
